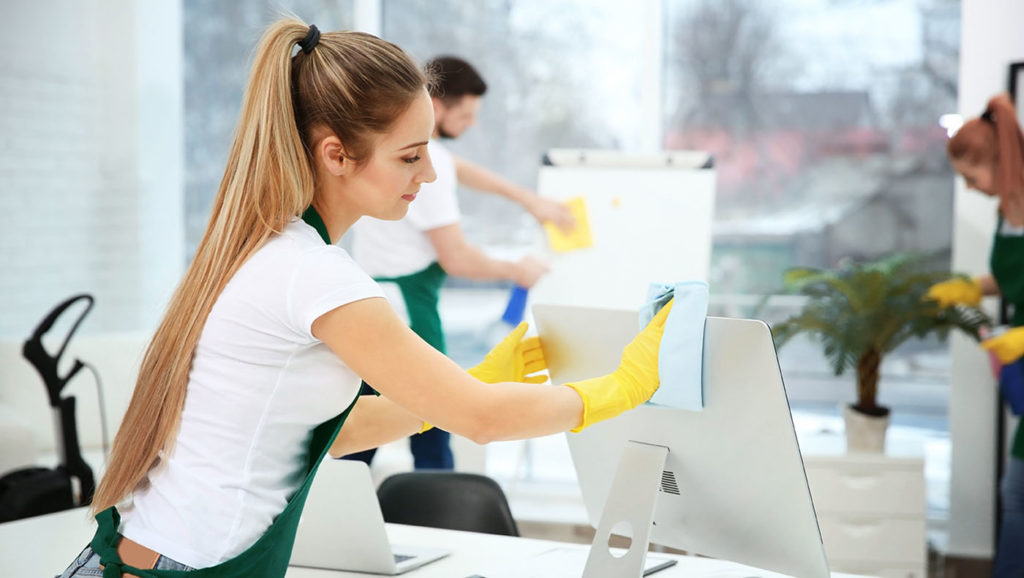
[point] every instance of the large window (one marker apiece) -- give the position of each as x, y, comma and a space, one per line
823, 119
822, 116
824, 126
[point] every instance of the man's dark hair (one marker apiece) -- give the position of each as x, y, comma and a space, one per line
454, 78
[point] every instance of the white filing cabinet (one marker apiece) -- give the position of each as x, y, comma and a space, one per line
871, 511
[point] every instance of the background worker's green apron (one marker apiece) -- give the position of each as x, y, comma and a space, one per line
1007, 266
422, 292
269, 556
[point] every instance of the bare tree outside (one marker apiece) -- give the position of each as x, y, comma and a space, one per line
725, 49
815, 133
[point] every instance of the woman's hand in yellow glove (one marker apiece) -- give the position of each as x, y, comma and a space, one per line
633, 382
514, 359
956, 291
1008, 347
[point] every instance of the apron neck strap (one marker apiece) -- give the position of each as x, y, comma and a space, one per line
313, 219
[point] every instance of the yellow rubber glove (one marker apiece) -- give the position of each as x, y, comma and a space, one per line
1008, 347
956, 291
633, 382
514, 359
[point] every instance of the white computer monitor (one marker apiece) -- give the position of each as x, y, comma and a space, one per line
727, 481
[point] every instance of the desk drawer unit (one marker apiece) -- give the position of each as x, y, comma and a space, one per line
871, 511
875, 538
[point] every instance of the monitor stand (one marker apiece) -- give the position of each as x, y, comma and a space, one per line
631, 500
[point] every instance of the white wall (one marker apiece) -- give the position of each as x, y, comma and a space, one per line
991, 40
90, 161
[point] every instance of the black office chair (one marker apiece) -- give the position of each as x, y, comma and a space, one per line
444, 499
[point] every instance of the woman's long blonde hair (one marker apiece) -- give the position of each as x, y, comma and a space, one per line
352, 83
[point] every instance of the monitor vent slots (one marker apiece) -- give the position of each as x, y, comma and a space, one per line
668, 483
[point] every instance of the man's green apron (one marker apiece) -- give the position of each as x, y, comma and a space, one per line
1007, 266
421, 292
268, 557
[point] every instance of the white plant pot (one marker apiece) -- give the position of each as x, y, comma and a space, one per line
864, 433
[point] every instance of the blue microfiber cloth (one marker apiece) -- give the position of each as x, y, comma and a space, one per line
681, 355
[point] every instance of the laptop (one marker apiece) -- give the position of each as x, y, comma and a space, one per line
342, 527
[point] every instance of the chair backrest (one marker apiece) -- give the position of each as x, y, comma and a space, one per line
444, 499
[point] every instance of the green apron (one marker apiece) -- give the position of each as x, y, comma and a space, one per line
1007, 266
269, 556
421, 292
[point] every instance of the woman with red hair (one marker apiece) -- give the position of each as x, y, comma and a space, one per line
987, 151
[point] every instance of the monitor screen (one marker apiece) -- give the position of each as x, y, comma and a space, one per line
732, 484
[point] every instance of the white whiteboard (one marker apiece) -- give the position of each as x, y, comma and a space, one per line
650, 219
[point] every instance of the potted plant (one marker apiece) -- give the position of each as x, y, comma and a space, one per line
860, 312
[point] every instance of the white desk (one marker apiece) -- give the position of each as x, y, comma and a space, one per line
45, 545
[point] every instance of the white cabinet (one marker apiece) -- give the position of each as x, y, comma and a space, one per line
871, 511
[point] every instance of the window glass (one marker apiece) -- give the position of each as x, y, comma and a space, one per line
219, 41
559, 74
824, 126
823, 117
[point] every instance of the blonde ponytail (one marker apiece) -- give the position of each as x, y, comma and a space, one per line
354, 84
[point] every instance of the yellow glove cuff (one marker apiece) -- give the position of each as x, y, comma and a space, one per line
603, 398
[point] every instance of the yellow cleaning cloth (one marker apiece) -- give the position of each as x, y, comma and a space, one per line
579, 237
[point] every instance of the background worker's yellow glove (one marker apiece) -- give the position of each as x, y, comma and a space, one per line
956, 291
514, 359
1008, 347
633, 382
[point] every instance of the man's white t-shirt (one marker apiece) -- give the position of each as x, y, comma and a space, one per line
258, 385
398, 248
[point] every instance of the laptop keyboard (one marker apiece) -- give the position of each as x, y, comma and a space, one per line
399, 558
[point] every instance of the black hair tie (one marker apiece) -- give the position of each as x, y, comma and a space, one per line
308, 43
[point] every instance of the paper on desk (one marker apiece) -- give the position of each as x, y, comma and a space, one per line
579, 237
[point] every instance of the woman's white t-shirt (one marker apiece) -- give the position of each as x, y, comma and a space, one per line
258, 385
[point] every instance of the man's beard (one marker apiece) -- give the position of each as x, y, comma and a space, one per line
444, 134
